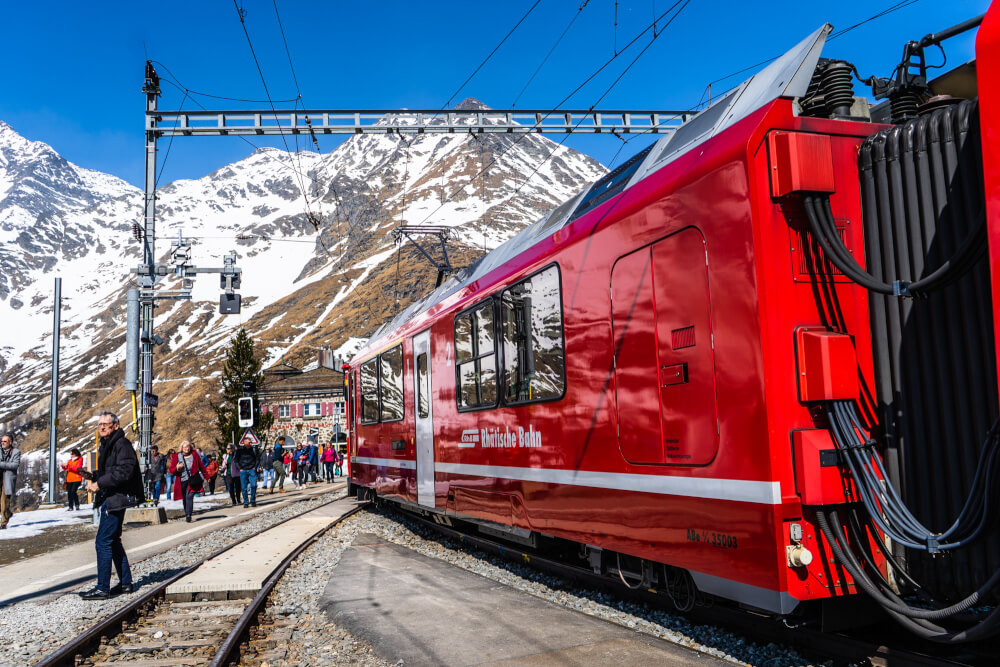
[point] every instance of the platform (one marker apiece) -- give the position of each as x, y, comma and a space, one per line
242, 571
46, 576
423, 611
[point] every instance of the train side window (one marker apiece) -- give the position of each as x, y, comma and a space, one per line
476, 357
369, 392
532, 328
391, 384
423, 386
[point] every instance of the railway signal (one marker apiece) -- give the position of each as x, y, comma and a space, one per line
246, 411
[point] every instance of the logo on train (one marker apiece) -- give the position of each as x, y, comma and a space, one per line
494, 438
470, 437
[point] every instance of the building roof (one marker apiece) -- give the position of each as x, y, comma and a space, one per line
316, 380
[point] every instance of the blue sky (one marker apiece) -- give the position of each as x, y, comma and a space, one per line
72, 72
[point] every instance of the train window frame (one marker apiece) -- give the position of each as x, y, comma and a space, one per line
476, 358
362, 394
502, 380
401, 387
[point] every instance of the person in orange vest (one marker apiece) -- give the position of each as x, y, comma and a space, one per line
73, 479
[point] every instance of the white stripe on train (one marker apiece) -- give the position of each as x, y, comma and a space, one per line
736, 490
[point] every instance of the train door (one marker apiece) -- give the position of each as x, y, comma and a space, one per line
664, 353
422, 410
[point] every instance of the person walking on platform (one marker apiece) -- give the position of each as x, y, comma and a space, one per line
169, 478
73, 479
118, 485
329, 458
301, 465
232, 475
339, 470
278, 465
313, 462
189, 477
157, 471
267, 468
212, 473
10, 459
248, 463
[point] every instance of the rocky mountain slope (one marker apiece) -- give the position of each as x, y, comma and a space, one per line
313, 237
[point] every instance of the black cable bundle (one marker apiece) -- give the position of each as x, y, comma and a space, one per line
888, 514
823, 229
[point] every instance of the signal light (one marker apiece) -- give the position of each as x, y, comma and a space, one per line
245, 411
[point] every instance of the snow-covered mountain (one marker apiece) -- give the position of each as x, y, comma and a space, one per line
312, 237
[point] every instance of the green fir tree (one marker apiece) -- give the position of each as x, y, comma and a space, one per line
242, 364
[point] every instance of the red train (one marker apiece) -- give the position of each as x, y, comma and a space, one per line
754, 361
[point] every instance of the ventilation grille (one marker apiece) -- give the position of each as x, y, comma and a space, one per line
681, 338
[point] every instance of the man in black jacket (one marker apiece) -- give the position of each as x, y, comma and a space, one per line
118, 485
248, 461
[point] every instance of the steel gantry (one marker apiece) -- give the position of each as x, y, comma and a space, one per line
139, 355
412, 121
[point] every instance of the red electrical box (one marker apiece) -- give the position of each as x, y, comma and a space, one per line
800, 162
827, 365
819, 477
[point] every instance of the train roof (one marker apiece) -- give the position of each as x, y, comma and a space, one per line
788, 76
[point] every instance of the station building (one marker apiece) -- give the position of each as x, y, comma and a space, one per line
308, 404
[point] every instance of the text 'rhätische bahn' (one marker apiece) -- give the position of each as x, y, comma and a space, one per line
759, 358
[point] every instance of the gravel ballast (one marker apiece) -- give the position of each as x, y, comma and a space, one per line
29, 630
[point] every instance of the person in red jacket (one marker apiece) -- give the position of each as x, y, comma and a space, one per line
189, 476
73, 479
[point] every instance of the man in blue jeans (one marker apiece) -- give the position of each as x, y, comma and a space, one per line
118, 485
248, 462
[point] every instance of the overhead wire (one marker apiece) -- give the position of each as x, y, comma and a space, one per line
242, 16
487, 58
565, 99
548, 55
562, 141
888, 10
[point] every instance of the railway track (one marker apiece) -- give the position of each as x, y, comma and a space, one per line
155, 630
884, 645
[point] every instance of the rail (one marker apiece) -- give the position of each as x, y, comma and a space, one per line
87, 642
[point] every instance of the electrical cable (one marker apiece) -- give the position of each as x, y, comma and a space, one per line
562, 141
915, 619
242, 15
600, 69
495, 49
823, 229
549, 54
888, 10
883, 503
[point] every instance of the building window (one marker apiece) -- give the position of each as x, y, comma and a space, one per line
475, 357
531, 325
311, 410
284, 411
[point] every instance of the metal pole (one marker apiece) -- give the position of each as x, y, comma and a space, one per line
147, 274
54, 401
